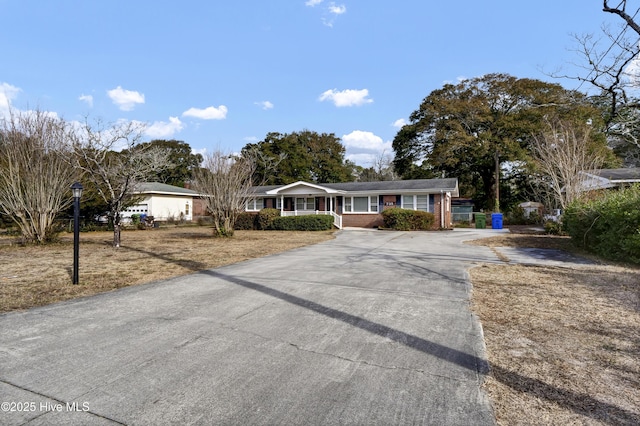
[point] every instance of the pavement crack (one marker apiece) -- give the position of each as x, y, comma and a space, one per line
340, 357
250, 311
372, 364
356, 361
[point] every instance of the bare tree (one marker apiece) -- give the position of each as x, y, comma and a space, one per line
225, 182
383, 166
35, 175
611, 64
115, 164
561, 152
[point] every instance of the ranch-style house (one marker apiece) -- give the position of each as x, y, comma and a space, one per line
359, 204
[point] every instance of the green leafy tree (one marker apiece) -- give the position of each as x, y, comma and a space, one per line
470, 129
182, 161
305, 155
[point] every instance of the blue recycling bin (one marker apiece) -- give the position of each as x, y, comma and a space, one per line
496, 220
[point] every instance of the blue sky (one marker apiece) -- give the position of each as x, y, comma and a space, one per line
219, 75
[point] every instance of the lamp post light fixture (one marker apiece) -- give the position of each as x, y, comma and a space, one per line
76, 189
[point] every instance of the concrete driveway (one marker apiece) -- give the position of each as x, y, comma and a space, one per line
372, 328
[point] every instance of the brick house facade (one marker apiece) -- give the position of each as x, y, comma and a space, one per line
359, 204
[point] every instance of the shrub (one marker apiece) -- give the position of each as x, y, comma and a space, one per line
135, 219
204, 220
515, 216
554, 228
407, 220
302, 223
265, 218
608, 226
518, 216
462, 224
245, 221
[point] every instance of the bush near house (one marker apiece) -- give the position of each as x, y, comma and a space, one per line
302, 223
407, 220
265, 218
608, 226
245, 222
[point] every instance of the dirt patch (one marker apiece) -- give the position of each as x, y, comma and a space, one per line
563, 343
39, 275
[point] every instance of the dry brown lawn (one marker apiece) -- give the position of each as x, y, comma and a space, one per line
39, 275
563, 343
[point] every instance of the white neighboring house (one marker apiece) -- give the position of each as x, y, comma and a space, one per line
163, 202
610, 178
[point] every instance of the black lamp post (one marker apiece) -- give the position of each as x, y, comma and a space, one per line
76, 188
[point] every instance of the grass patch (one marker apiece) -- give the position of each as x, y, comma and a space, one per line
563, 343
39, 275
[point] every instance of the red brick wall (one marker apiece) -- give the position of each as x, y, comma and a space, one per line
373, 220
199, 208
388, 202
437, 209
362, 220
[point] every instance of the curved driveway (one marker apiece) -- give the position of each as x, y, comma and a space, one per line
372, 328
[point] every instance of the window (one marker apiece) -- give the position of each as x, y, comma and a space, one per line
278, 203
255, 204
347, 204
416, 202
186, 209
373, 206
422, 203
407, 202
361, 204
305, 203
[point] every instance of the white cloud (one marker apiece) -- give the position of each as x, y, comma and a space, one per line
399, 123
7, 94
86, 98
251, 139
365, 140
362, 159
458, 80
347, 97
163, 129
125, 99
330, 12
210, 113
265, 105
632, 72
334, 11
337, 10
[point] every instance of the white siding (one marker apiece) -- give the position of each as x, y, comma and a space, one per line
163, 207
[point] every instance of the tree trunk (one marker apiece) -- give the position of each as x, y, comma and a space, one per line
116, 230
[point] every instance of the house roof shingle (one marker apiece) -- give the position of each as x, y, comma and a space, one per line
632, 174
428, 185
163, 188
